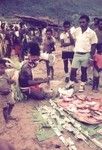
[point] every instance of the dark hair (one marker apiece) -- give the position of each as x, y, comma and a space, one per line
99, 20
34, 49
49, 30
2, 24
2, 61
99, 47
85, 17
96, 18
66, 23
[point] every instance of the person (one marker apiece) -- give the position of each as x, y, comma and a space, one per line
37, 36
98, 31
29, 85
8, 45
44, 33
2, 52
6, 101
95, 23
24, 44
97, 69
85, 43
48, 46
67, 44
17, 42
3, 28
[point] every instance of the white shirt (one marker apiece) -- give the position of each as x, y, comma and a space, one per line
44, 33
65, 36
83, 41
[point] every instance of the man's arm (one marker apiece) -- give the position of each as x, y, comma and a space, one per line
38, 81
72, 42
93, 50
94, 41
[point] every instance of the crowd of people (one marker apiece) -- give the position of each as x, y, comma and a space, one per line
79, 45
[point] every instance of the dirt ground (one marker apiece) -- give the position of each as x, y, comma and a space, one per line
21, 134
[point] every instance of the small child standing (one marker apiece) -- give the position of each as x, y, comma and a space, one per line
97, 67
6, 101
48, 46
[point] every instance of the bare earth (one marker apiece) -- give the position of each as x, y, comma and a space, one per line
22, 133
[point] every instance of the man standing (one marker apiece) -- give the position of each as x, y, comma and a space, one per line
85, 42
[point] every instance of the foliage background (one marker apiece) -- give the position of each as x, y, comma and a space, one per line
56, 9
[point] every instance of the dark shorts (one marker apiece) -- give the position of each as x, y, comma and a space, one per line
67, 55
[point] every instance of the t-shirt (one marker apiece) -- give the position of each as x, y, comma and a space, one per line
25, 75
98, 60
48, 45
65, 37
99, 35
83, 41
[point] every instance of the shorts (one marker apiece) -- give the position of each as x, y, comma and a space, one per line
67, 55
80, 60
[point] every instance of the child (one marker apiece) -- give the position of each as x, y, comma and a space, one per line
6, 102
48, 47
67, 45
97, 67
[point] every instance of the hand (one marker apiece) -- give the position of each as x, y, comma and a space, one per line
69, 32
10, 81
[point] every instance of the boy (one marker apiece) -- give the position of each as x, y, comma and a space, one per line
48, 47
67, 44
28, 84
6, 101
97, 67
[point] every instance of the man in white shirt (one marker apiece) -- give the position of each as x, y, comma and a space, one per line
85, 42
67, 45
